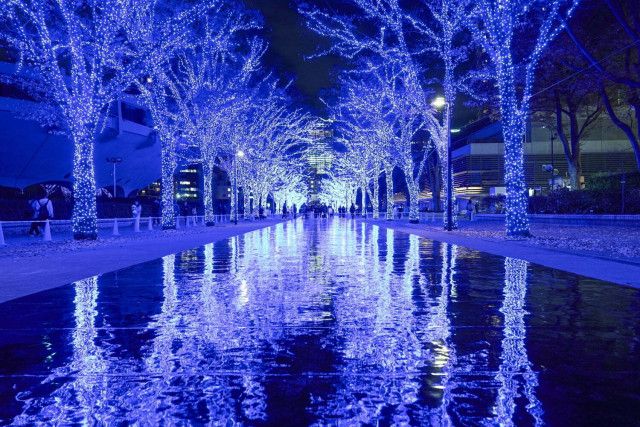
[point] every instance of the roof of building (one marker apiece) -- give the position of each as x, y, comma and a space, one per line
29, 155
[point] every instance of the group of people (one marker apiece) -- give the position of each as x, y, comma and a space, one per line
285, 211
342, 211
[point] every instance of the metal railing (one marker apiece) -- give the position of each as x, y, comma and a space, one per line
14, 230
423, 217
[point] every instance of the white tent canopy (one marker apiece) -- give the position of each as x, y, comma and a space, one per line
29, 155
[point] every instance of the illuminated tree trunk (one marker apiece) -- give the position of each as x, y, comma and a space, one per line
443, 154
513, 131
375, 196
246, 203
363, 209
207, 172
168, 167
413, 192
234, 198
388, 172
85, 214
262, 202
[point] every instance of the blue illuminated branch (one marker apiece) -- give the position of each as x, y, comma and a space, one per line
87, 55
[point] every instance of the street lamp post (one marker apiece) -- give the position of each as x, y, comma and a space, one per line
623, 181
439, 103
238, 154
553, 165
114, 161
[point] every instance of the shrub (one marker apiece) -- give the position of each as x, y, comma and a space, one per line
586, 202
605, 181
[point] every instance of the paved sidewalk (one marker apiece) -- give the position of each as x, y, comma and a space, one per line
31, 268
616, 269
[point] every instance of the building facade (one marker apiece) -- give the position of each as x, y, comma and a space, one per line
478, 157
319, 159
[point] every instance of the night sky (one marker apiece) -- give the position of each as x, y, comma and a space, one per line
290, 44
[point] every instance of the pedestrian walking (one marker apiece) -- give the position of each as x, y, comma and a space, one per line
42, 210
471, 210
136, 209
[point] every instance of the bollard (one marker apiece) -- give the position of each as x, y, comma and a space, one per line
136, 224
204, 222
150, 224
47, 232
116, 231
187, 223
177, 223
2, 243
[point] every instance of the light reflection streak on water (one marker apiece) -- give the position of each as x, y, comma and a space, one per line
515, 374
384, 345
365, 298
80, 396
440, 325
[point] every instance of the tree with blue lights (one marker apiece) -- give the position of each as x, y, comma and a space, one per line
365, 122
406, 115
261, 131
386, 41
206, 96
445, 39
514, 35
190, 95
87, 53
156, 93
274, 131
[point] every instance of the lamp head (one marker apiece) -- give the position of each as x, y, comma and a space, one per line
439, 102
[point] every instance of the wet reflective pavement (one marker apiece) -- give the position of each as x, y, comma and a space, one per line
327, 323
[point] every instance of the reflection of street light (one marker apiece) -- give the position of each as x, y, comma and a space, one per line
239, 154
438, 103
114, 161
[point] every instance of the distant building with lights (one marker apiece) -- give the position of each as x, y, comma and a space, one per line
478, 156
319, 159
187, 184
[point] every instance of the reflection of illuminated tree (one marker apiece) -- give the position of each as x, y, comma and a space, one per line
515, 374
380, 330
439, 328
84, 390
